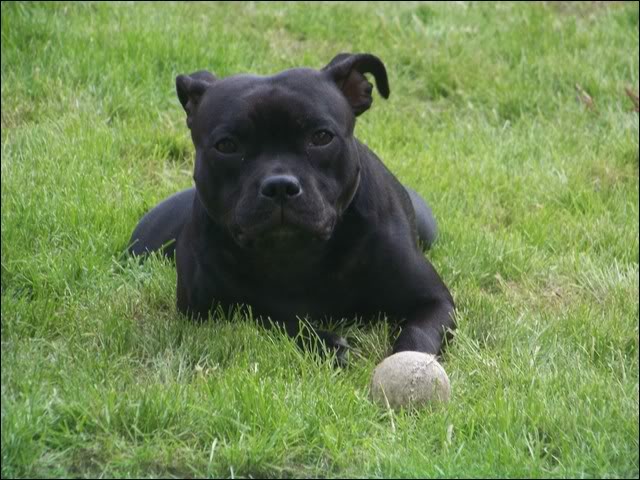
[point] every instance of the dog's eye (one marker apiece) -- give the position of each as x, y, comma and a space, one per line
226, 145
321, 137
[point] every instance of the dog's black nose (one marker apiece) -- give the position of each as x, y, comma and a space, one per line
280, 187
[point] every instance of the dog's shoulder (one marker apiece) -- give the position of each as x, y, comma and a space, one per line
381, 196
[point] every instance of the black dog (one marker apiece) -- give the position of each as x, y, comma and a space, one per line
291, 214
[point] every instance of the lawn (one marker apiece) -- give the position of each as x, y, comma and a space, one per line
511, 119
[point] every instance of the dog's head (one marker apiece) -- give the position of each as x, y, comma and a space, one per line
276, 160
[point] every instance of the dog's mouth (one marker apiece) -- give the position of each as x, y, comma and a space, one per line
283, 230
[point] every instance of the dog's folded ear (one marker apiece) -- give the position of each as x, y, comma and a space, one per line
190, 89
347, 71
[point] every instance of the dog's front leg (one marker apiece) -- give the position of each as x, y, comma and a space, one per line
427, 327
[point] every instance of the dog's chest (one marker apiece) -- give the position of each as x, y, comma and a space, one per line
318, 298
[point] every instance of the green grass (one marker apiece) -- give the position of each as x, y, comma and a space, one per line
536, 197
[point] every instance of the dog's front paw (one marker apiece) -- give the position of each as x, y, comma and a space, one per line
336, 344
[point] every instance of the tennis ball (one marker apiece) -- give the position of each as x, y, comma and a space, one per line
410, 379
